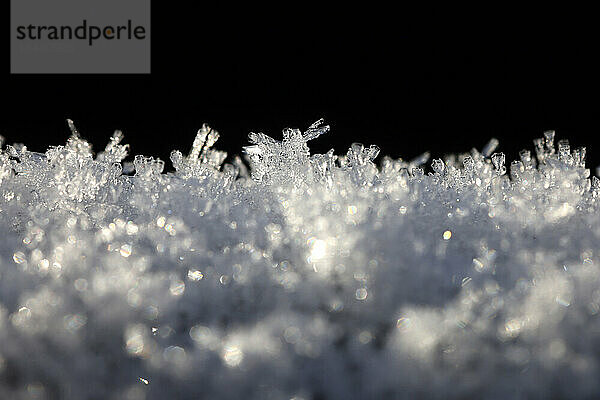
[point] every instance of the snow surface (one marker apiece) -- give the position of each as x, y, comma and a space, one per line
309, 277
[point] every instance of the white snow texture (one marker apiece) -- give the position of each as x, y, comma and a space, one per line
309, 277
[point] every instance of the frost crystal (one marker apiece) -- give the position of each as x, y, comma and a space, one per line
313, 276
276, 162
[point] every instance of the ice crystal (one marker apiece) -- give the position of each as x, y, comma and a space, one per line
276, 162
311, 277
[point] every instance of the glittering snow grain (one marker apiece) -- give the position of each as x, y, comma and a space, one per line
305, 277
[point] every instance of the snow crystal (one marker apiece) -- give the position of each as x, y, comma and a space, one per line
307, 276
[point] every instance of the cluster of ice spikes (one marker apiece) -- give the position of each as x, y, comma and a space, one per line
311, 277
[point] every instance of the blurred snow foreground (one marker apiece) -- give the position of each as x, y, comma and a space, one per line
314, 277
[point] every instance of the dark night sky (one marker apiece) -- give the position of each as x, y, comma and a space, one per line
439, 87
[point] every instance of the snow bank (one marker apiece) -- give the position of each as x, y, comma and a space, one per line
309, 277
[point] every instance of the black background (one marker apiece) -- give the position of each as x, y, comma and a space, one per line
440, 86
